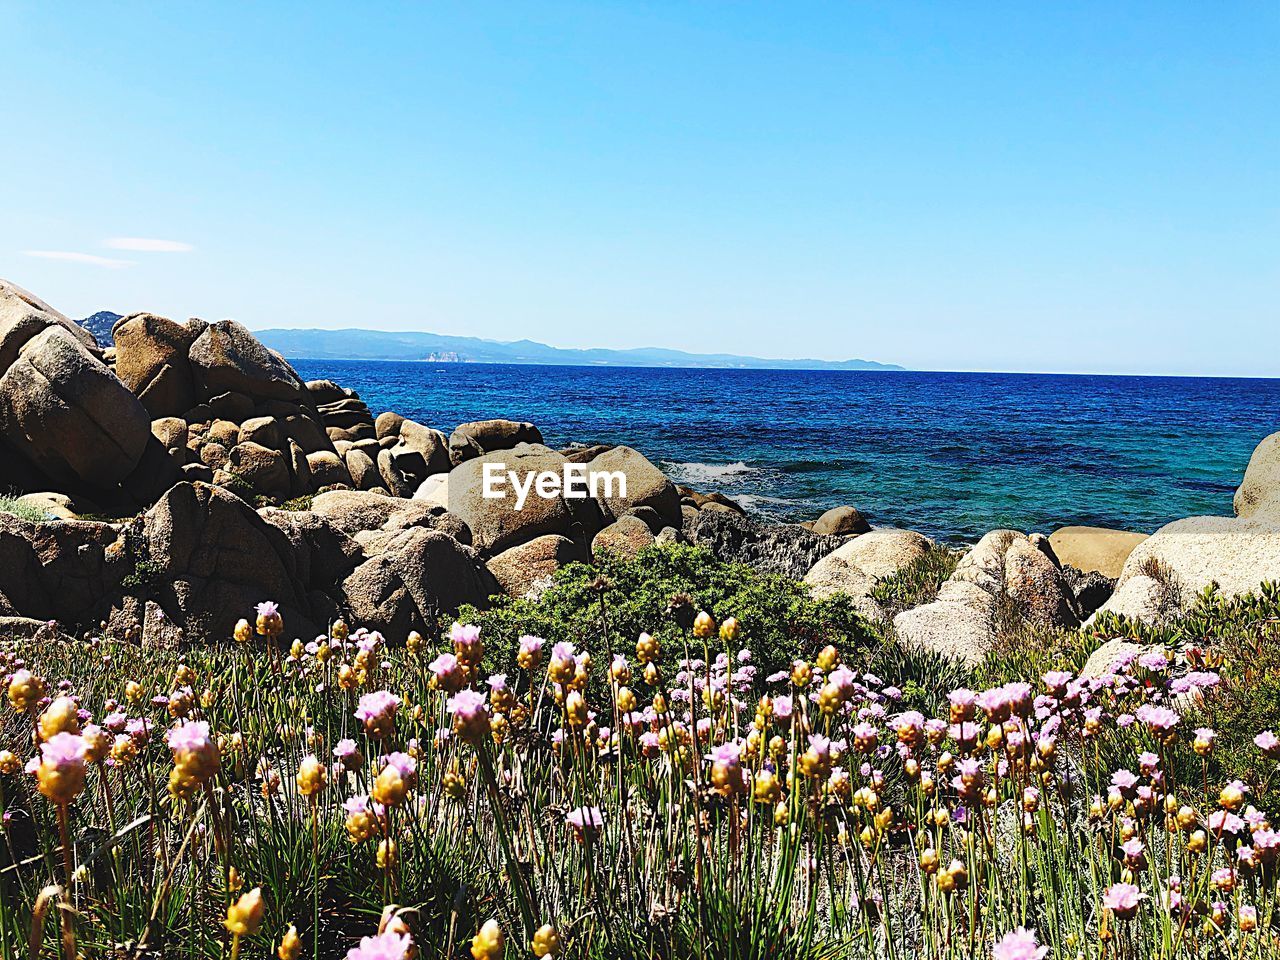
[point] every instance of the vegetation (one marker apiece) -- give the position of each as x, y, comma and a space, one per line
23, 511
918, 583
655, 778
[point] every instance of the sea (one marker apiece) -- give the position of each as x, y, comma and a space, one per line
952, 455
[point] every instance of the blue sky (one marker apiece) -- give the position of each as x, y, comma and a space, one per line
979, 186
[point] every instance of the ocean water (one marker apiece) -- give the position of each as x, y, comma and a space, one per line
950, 454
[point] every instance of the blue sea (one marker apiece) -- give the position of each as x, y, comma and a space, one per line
950, 454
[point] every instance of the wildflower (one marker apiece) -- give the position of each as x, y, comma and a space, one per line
447, 673
529, 652
467, 645
1247, 918
61, 768
25, 690
647, 649
489, 942
61, 716
704, 625
243, 632
290, 945
9, 763
195, 755
726, 769
470, 715
245, 915
361, 822
816, 761
348, 754
377, 711
1232, 795
1268, 743
546, 941
564, 663
575, 709
1019, 944
1122, 899
1203, 744
385, 946
312, 777
585, 821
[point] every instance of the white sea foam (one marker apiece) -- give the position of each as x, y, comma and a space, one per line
710, 472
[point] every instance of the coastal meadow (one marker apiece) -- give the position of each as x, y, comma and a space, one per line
377, 798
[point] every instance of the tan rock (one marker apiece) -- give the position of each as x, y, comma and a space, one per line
151, 360
625, 537
524, 569
1259, 493
841, 521
1099, 549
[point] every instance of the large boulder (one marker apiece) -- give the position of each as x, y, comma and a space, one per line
1259, 493
375, 520
151, 360
475, 439
1186, 556
857, 565
646, 486
523, 569
419, 452
264, 469
783, 548
64, 412
1099, 549
227, 357
497, 523
841, 522
1004, 571
212, 558
625, 537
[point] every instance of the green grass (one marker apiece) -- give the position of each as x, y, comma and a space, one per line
23, 511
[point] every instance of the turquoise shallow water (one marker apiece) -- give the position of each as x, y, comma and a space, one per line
950, 454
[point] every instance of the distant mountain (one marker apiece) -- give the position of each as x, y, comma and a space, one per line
100, 325
436, 348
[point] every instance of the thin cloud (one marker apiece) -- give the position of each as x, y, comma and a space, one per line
73, 257
149, 245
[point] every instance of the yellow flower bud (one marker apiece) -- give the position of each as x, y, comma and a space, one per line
245, 915
489, 942
290, 945
546, 942
243, 632
61, 716
312, 777
704, 625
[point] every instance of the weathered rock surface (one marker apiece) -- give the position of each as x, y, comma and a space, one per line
646, 486
1100, 549
225, 356
475, 439
857, 565
786, 549
625, 537
841, 522
524, 569
1259, 493
151, 360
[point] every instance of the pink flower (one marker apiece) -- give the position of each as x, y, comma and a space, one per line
379, 705
1159, 719
64, 750
585, 821
189, 738
1268, 743
385, 946
1019, 944
1122, 899
268, 609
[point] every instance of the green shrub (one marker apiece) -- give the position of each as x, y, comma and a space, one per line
917, 583
23, 511
604, 608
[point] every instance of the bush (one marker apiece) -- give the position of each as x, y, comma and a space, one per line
918, 583
23, 511
604, 608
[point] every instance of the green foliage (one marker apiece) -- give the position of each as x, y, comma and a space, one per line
299, 504
23, 511
917, 583
144, 574
618, 599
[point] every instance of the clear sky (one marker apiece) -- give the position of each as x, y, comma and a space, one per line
967, 186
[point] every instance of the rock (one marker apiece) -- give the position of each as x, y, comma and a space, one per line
54, 506
1037, 588
156, 472
232, 405
225, 432
375, 519
303, 482
325, 555
420, 452
434, 490
364, 472
213, 558
1095, 548
66, 414
263, 431
786, 549
1238, 554
327, 470
625, 537
226, 356
495, 523
524, 569
646, 486
193, 472
23, 315
262, 468
306, 433
388, 424
485, 436
326, 391
1111, 658
857, 565
841, 522
1141, 598
172, 432
151, 360
393, 479
1259, 493
1003, 570
585, 454
1091, 590
361, 431
213, 455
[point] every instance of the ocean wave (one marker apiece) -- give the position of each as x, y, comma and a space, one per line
762, 503
710, 472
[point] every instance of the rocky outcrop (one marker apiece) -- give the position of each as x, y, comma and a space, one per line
226, 357
63, 413
1186, 556
1099, 549
1006, 573
857, 565
625, 537
1259, 493
151, 360
646, 486
786, 549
